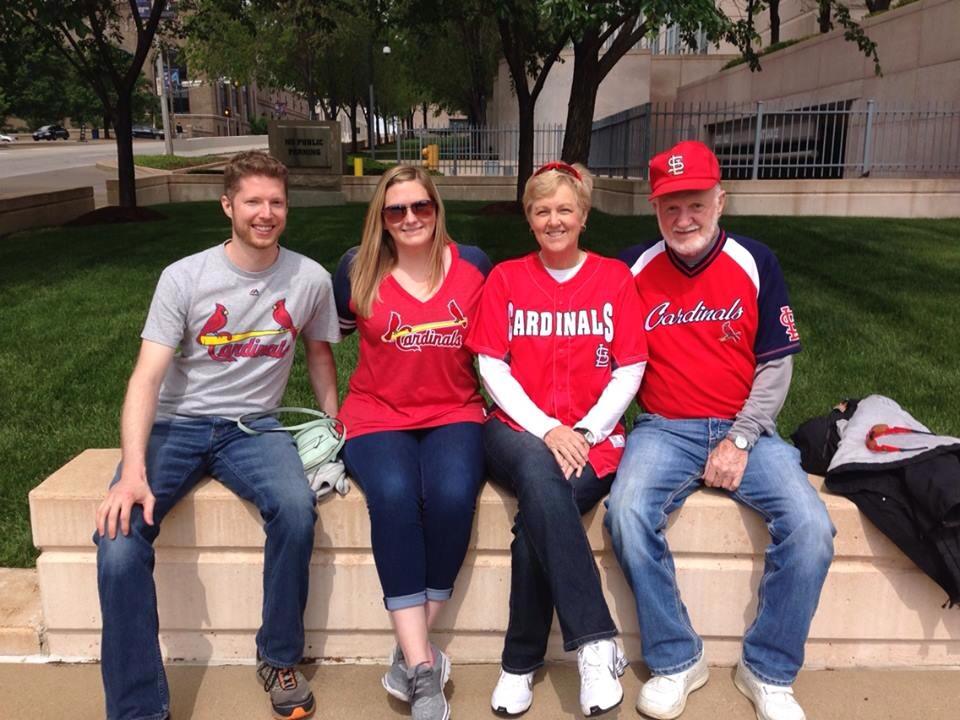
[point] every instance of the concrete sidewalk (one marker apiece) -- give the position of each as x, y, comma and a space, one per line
353, 691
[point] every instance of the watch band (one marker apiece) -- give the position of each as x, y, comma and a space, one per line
587, 435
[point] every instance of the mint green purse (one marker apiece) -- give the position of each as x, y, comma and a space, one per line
318, 441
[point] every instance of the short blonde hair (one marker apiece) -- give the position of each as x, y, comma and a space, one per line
249, 164
377, 255
545, 182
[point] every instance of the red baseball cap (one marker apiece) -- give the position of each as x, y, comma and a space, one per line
688, 165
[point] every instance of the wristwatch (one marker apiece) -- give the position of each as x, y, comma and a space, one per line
587, 435
739, 442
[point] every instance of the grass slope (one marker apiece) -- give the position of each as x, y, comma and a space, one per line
874, 301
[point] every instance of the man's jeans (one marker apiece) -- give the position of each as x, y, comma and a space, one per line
663, 464
552, 565
264, 469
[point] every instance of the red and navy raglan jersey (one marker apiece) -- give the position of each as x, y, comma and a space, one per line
708, 326
562, 340
414, 369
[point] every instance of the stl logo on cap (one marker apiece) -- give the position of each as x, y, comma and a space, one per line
688, 165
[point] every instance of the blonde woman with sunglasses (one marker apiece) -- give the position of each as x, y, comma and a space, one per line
413, 413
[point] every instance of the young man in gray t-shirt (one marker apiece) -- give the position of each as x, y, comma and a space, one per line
218, 343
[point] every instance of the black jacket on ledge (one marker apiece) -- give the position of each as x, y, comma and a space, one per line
910, 491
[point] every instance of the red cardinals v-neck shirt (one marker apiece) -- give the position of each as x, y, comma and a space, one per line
414, 369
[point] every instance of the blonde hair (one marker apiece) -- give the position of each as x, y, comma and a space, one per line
377, 255
547, 183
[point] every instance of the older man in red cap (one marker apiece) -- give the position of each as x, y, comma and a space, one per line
721, 337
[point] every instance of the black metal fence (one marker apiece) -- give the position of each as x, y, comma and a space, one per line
767, 140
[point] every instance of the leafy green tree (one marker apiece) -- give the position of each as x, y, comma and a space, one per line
319, 49
452, 51
603, 31
86, 33
531, 39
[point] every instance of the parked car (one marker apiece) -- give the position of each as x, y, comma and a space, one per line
7, 138
51, 132
145, 131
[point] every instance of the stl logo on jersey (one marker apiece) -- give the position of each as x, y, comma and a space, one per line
602, 356
224, 346
439, 333
786, 319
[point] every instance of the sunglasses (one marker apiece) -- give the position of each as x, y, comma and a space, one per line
560, 167
422, 210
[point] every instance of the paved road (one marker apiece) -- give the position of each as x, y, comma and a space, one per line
29, 167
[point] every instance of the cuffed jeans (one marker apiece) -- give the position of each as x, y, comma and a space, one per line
421, 490
264, 469
552, 565
662, 465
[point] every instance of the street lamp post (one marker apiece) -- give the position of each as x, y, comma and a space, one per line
372, 115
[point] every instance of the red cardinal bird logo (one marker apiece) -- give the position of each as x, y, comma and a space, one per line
215, 323
440, 333
283, 319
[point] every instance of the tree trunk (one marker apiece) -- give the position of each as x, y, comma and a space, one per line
106, 127
774, 21
583, 101
823, 17
352, 114
124, 132
424, 116
526, 106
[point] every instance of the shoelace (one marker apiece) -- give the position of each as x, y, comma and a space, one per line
591, 666
513, 681
657, 682
417, 678
285, 677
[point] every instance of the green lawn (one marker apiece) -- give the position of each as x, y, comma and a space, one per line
874, 301
175, 162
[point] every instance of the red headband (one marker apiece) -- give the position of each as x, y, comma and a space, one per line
560, 166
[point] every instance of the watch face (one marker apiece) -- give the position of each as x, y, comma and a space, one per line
740, 442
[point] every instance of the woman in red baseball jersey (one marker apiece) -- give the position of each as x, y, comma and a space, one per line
562, 351
413, 414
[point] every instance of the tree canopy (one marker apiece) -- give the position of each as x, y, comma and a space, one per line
86, 35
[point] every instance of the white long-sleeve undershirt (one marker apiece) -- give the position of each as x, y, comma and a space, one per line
602, 418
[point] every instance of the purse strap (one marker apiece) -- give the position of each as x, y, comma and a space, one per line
251, 417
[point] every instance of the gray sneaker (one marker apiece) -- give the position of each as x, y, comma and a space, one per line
289, 690
395, 680
425, 689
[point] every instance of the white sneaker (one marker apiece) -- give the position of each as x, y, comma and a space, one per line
601, 663
772, 702
665, 696
513, 694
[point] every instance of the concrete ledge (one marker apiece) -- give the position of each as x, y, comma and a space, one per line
864, 197
877, 609
21, 212
20, 615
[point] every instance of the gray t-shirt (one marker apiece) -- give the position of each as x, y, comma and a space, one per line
235, 331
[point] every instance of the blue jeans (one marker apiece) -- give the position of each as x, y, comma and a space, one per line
662, 465
421, 489
552, 565
264, 469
